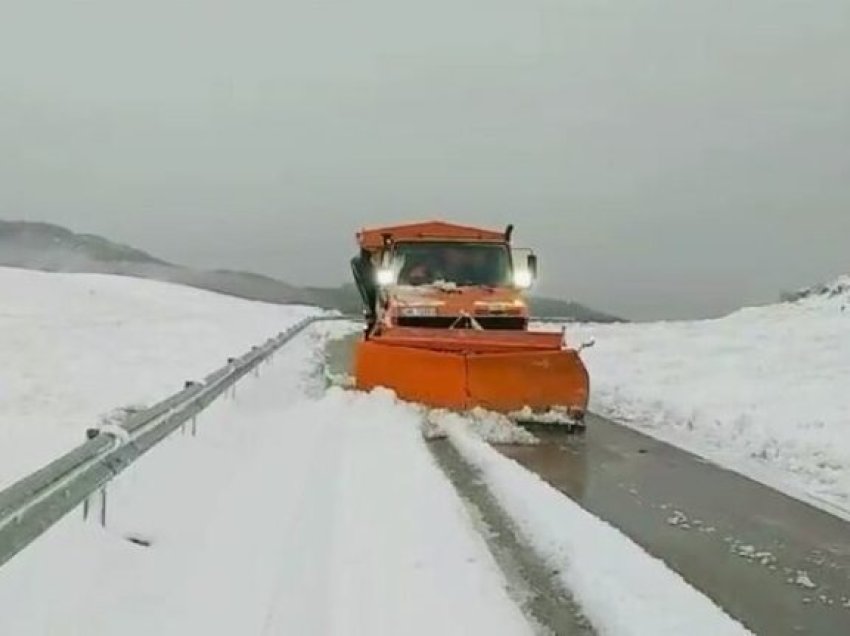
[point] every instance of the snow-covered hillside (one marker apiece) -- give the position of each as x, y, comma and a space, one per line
77, 346
765, 391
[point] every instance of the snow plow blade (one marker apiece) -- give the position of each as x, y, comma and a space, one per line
504, 371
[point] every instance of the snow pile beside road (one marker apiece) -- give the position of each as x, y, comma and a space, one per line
763, 391
77, 346
621, 588
486, 425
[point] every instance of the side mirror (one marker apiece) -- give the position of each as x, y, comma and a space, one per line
525, 267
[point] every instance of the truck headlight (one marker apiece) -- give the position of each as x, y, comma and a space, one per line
523, 279
384, 277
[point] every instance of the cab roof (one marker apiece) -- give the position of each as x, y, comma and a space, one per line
373, 238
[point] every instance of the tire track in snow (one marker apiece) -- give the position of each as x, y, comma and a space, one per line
532, 583
303, 558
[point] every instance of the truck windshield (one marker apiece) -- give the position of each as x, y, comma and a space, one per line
464, 264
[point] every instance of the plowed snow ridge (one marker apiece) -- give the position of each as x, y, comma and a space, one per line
622, 589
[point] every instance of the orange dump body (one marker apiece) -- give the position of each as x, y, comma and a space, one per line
373, 239
459, 369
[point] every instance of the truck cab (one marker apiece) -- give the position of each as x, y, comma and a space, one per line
444, 276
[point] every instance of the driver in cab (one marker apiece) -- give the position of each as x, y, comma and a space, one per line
450, 264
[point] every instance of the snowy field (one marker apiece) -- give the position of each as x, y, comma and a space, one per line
764, 391
75, 347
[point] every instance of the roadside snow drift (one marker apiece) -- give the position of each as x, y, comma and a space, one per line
622, 589
77, 346
294, 511
764, 391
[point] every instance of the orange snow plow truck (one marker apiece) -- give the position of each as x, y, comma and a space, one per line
448, 325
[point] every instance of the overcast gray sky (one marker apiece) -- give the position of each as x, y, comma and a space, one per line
665, 158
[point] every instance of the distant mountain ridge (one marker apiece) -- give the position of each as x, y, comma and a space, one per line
48, 247
838, 287
21, 240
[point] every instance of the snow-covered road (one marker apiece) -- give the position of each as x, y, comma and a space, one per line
291, 513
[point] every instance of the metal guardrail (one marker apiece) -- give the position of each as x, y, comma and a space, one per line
31, 506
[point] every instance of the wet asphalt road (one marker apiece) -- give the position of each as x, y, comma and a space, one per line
777, 565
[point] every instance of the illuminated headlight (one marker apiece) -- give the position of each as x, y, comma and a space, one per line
417, 312
523, 279
384, 277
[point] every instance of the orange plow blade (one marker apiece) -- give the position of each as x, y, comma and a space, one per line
503, 371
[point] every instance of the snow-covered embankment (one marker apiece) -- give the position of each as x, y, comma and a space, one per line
77, 346
764, 391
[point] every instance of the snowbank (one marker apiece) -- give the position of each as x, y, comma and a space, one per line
288, 514
764, 391
77, 346
486, 425
621, 588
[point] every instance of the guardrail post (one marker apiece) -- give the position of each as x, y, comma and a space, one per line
188, 385
231, 391
195, 426
91, 433
103, 507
